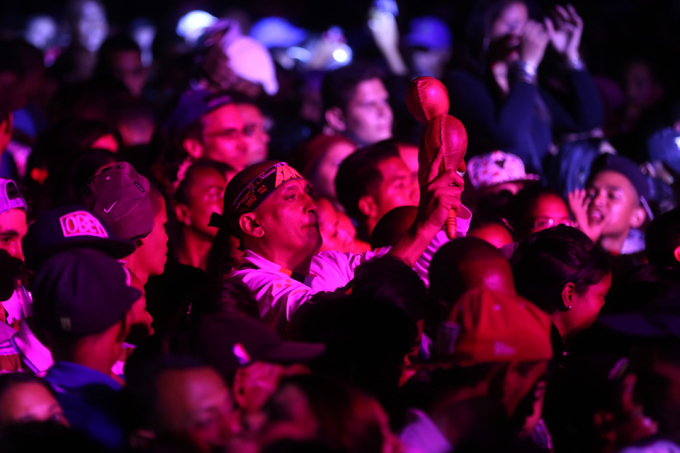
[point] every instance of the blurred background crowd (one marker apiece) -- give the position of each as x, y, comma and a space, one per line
151, 265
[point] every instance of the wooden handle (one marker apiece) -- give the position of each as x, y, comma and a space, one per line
450, 225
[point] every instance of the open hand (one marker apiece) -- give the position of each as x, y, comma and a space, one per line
565, 30
578, 203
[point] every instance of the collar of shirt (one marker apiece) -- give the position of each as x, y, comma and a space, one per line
32, 351
254, 261
69, 375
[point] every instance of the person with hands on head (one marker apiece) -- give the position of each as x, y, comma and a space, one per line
501, 102
268, 207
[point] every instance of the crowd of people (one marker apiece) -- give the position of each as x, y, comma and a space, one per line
232, 240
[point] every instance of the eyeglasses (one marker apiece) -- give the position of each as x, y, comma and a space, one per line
541, 223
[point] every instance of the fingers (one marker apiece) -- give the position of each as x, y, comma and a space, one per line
433, 169
449, 178
576, 19
562, 14
549, 26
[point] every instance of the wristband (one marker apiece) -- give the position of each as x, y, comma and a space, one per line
575, 63
526, 71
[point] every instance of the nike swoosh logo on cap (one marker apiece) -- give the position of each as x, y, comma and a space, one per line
110, 207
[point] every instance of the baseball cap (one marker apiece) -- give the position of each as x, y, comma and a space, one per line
251, 61
277, 32
70, 227
492, 326
496, 167
229, 341
10, 197
429, 32
626, 167
195, 103
81, 292
660, 318
121, 196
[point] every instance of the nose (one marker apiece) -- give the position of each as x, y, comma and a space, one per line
17, 252
229, 426
310, 204
599, 199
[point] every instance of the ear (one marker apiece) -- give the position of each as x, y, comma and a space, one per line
335, 119
638, 218
250, 225
676, 253
193, 147
182, 214
568, 295
367, 206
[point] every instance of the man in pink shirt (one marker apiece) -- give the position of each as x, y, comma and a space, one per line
268, 207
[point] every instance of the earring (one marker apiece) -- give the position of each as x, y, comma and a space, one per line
568, 307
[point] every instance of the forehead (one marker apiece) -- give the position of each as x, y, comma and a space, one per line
14, 218
515, 11
369, 89
206, 178
392, 167
126, 58
250, 112
192, 386
550, 202
609, 179
226, 115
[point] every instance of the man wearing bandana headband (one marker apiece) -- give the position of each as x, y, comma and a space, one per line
268, 207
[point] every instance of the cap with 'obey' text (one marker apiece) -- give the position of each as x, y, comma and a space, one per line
121, 196
68, 227
81, 292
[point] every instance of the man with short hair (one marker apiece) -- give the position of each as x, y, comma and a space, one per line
255, 132
84, 306
177, 400
372, 181
12, 230
199, 195
134, 209
209, 125
268, 207
355, 103
614, 205
120, 58
655, 362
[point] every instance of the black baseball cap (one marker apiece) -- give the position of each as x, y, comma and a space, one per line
626, 167
195, 103
69, 227
81, 292
121, 196
229, 341
659, 319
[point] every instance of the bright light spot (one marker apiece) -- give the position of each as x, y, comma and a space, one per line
192, 25
340, 55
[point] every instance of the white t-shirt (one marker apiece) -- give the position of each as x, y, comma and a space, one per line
275, 289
